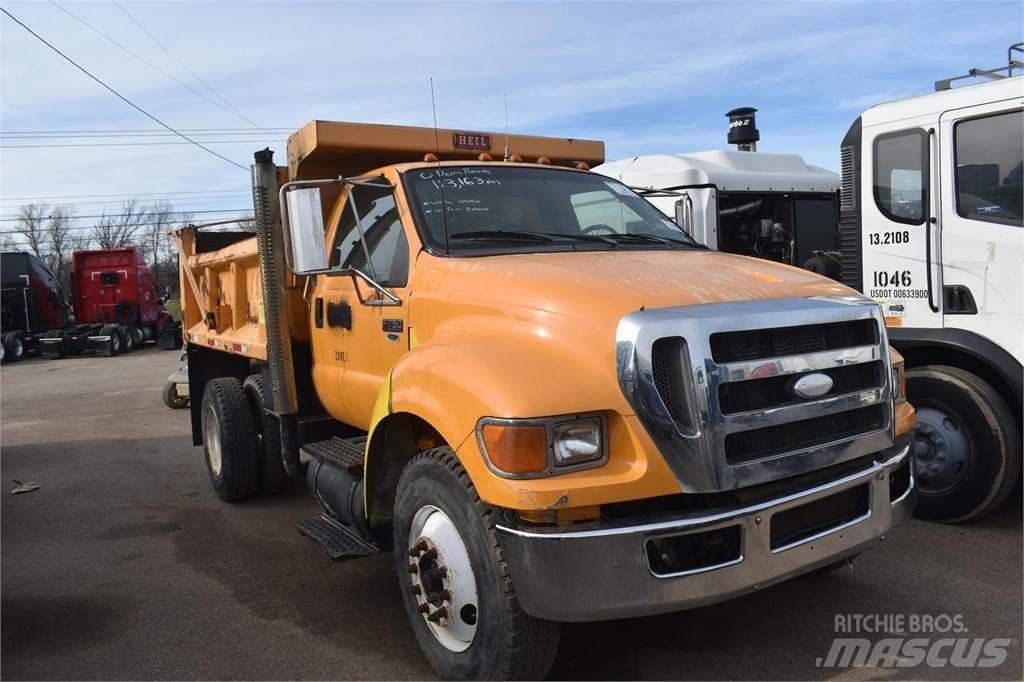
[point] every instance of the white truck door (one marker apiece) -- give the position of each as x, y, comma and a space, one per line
982, 154
899, 239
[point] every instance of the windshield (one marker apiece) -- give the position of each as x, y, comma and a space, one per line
495, 209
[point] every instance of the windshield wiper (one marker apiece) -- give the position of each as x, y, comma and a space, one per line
503, 235
648, 238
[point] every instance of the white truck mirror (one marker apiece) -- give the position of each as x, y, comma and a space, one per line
306, 231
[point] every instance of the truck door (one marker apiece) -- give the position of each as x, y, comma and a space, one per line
982, 156
900, 245
358, 335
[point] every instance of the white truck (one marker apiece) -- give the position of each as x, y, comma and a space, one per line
929, 224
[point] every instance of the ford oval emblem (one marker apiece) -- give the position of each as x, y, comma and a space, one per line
812, 385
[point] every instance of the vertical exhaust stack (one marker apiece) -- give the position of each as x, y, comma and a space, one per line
743, 129
269, 241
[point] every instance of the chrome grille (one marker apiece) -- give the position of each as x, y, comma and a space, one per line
713, 386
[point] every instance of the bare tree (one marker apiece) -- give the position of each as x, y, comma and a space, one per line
153, 241
61, 242
30, 225
120, 229
8, 242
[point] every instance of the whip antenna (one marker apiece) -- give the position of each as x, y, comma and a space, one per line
433, 107
437, 150
506, 127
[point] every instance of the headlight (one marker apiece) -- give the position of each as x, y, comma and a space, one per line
528, 448
576, 442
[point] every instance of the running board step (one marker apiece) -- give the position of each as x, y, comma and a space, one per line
345, 452
337, 540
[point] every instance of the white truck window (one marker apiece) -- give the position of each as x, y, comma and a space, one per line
899, 176
989, 167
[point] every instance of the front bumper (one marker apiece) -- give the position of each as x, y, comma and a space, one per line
602, 571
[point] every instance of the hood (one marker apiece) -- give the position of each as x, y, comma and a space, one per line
620, 281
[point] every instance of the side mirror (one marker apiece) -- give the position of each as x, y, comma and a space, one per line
306, 230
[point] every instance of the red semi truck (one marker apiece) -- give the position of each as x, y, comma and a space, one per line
116, 306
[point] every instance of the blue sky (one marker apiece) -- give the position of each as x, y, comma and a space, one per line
644, 77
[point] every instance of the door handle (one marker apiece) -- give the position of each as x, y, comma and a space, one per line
318, 312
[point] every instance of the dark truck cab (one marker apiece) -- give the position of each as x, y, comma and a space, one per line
31, 303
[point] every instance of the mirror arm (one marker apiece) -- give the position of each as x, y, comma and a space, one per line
393, 300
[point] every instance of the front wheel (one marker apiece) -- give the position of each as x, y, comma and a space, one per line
455, 582
172, 398
967, 448
14, 347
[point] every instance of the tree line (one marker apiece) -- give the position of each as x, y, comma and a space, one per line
53, 233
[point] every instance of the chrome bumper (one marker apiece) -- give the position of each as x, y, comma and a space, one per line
602, 572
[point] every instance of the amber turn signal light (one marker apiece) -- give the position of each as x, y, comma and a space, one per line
516, 449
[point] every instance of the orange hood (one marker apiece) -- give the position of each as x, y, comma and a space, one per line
612, 283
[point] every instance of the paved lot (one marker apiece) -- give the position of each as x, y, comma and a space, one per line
126, 566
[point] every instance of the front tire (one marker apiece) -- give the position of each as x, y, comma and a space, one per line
967, 447
455, 583
14, 347
229, 440
171, 397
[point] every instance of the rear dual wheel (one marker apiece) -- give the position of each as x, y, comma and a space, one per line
229, 440
273, 477
242, 443
455, 583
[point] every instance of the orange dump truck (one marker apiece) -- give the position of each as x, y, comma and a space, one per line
550, 402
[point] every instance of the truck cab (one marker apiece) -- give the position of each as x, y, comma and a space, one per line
931, 228
32, 303
549, 401
763, 204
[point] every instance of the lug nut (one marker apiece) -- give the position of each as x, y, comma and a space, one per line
430, 555
445, 595
417, 590
438, 615
424, 608
413, 568
442, 571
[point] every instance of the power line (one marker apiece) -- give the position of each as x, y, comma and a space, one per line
140, 194
146, 62
252, 135
128, 215
77, 228
130, 144
185, 66
155, 131
119, 95
102, 202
